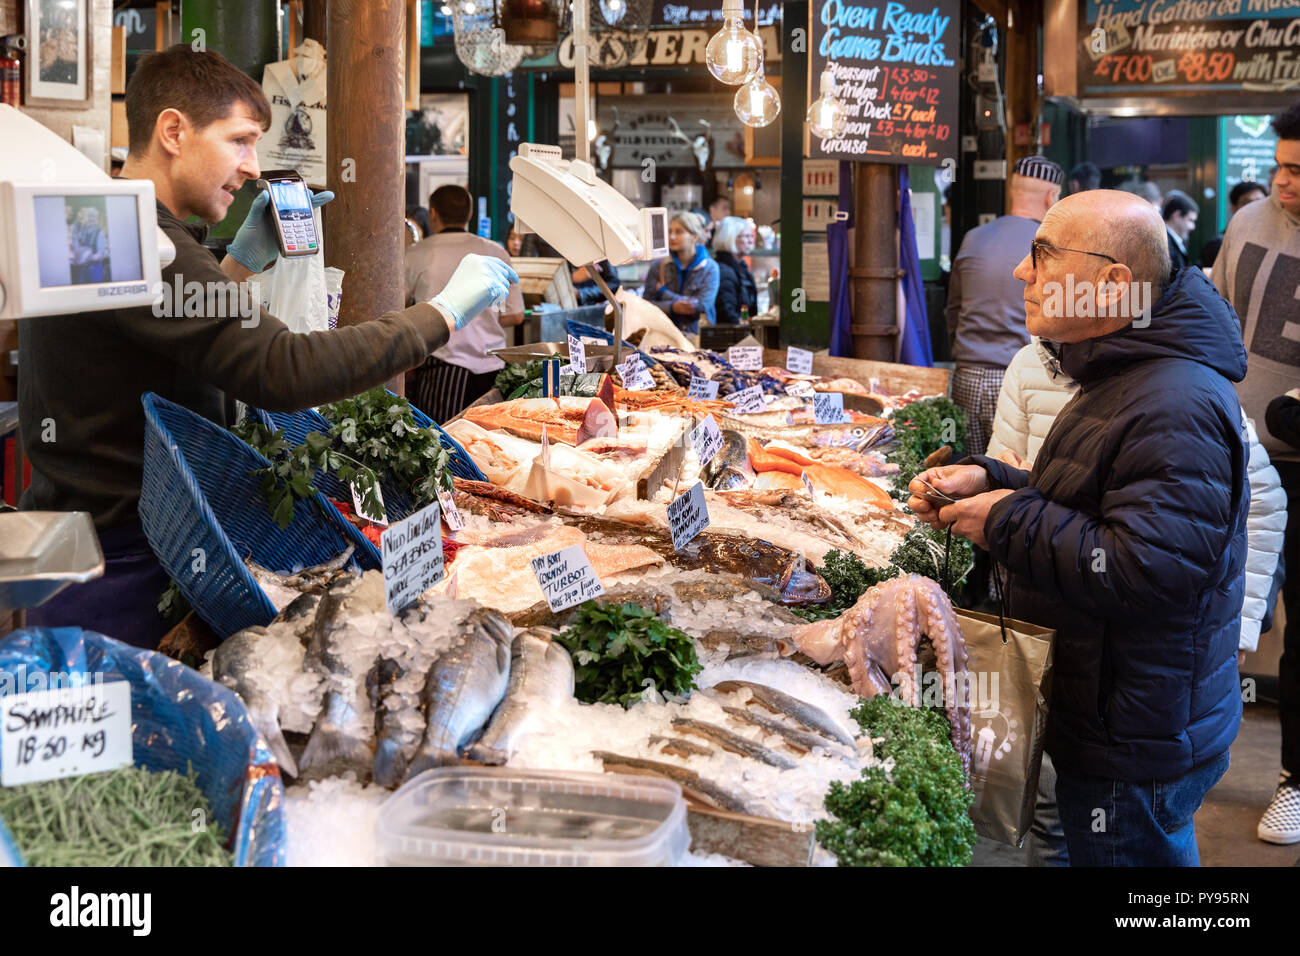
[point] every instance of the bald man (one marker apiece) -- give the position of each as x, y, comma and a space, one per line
986, 312
1129, 535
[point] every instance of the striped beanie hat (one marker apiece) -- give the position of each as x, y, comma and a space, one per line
1038, 167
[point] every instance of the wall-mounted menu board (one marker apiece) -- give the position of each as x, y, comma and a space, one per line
1213, 48
896, 67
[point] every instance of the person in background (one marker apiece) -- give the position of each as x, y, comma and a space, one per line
1084, 177
733, 241
1129, 534
986, 305
462, 370
1146, 189
719, 210
686, 283
1256, 271
1241, 195
515, 242
585, 288
1179, 213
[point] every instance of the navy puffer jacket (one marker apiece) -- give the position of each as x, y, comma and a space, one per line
1129, 538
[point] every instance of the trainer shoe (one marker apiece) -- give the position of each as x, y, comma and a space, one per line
1281, 821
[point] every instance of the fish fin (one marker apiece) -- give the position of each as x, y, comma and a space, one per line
330, 752
269, 728
430, 757
390, 763
484, 754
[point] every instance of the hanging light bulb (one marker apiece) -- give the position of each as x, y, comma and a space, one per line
445, 10
592, 131
827, 117
757, 102
613, 11
469, 7
734, 54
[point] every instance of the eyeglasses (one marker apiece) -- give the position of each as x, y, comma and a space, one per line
1037, 244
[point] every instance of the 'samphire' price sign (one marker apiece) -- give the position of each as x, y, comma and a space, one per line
566, 577
745, 358
577, 355
702, 388
798, 361
707, 440
688, 515
65, 732
636, 377
748, 401
412, 550
828, 408
896, 69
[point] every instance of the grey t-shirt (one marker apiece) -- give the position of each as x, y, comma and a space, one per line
1258, 271
986, 303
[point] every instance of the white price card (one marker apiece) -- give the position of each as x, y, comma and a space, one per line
702, 388
566, 577
828, 408
380, 518
746, 358
412, 550
748, 400
807, 483
636, 377
591, 340
65, 732
799, 388
577, 355
688, 515
450, 513
707, 440
798, 361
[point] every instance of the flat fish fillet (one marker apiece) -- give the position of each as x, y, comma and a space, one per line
567, 419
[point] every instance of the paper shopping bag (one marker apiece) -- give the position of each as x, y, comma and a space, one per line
1010, 663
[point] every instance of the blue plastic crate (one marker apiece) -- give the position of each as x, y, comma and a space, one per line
203, 513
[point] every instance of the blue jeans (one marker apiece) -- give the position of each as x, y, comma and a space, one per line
1125, 823
1045, 845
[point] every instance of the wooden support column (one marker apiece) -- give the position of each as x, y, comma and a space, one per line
366, 165
874, 276
1023, 104
314, 14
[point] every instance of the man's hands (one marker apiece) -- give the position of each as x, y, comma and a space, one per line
254, 246
477, 282
683, 307
969, 485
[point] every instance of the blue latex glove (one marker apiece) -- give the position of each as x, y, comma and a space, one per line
254, 246
478, 282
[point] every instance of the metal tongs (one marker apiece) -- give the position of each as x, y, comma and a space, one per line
936, 497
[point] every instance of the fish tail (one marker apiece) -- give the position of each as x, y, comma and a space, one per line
330, 751
429, 757
269, 728
390, 762
486, 754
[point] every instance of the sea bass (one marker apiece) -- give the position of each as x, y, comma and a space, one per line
541, 673
778, 702
463, 688
235, 664
390, 753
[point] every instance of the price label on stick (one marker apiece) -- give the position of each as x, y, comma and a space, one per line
358, 506
748, 401
828, 408
636, 377
702, 388
450, 513
807, 483
798, 361
707, 440
688, 515
746, 358
566, 577
799, 388
65, 732
412, 550
577, 355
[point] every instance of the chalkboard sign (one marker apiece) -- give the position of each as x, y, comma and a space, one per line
896, 69
1188, 47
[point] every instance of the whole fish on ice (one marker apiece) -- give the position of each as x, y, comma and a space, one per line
541, 673
234, 664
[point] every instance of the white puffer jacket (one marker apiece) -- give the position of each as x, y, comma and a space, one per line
1032, 397
1030, 400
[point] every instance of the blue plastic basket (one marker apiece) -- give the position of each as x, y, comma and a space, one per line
203, 513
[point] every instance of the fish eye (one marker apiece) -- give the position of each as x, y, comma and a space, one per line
858, 432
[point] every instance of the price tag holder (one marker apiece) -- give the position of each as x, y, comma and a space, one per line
636, 377
748, 401
362, 511
707, 440
688, 515
577, 355
412, 551
799, 388
591, 340
746, 358
702, 388
798, 361
828, 408
566, 577
450, 513
807, 483
65, 732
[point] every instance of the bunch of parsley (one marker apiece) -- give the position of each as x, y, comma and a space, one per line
920, 429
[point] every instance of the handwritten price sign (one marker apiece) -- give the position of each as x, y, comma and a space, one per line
412, 550
65, 732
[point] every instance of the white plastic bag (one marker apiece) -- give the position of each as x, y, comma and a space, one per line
293, 290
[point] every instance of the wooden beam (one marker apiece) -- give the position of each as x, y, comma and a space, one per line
873, 281
1023, 104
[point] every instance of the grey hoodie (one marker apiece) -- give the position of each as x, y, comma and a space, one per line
1258, 271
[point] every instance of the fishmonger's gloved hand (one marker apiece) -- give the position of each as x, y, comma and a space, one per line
478, 282
254, 246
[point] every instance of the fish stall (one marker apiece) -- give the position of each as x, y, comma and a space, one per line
679, 574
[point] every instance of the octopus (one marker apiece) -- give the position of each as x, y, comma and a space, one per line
878, 640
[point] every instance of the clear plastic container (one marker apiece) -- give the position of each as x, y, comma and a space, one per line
498, 816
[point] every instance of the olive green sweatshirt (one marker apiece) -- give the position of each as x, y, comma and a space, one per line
80, 377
